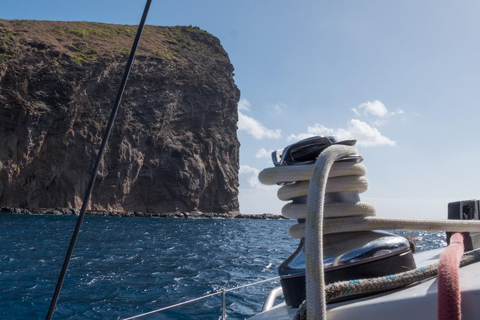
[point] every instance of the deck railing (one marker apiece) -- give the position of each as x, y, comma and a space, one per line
268, 302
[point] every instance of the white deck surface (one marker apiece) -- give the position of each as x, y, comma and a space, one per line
414, 302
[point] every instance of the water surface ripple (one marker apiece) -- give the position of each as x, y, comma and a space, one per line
125, 266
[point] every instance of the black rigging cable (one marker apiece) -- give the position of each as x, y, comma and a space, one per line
106, 134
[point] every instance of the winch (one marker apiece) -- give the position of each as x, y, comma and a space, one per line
346, 255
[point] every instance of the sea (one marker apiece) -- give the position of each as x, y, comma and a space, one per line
122, 267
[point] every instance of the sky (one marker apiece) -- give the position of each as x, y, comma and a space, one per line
401, 77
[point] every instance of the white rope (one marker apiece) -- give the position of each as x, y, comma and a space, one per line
376, 223
339, 216
316, 302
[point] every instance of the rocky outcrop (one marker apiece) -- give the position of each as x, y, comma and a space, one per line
174, 215
174, 146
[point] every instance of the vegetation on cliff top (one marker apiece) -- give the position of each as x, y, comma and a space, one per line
85, 42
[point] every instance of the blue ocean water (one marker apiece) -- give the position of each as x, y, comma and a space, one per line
122, 267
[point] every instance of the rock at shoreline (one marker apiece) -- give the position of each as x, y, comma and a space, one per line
189, 215
174, 146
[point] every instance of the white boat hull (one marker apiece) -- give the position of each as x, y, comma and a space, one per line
414, 302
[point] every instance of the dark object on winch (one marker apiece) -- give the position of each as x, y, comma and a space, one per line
305, 151
348, 256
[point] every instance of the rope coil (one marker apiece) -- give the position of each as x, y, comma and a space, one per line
329, 176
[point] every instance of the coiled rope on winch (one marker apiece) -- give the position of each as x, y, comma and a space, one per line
343, 216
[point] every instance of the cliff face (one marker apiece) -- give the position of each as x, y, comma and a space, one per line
173, 147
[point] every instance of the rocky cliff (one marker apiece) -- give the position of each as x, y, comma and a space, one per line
174, 145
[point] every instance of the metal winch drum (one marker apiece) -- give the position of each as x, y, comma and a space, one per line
347, 256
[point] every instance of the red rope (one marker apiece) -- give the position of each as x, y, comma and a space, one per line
449, 307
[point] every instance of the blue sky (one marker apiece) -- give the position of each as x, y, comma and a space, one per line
400, 76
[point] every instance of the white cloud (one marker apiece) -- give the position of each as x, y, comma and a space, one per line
416, 114
244, 104
246, 169
365, 135
316, 130
252, 178
278, 108
253, 126
375, 108
264, 153
375, 112
256, 129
